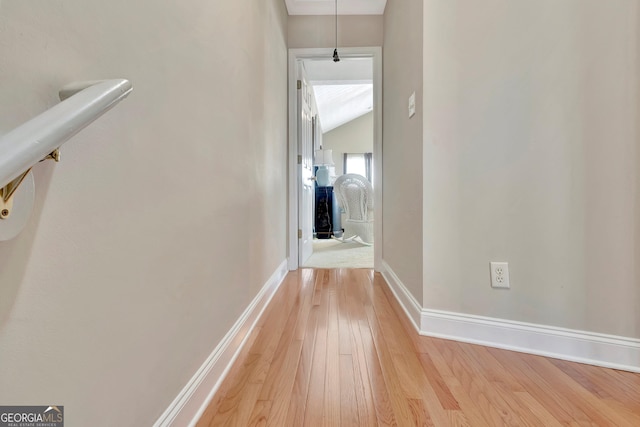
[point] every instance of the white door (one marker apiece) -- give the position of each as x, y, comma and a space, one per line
305, 168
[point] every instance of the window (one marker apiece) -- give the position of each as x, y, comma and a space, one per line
360, 163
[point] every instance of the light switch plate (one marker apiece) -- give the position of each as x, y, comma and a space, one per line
412, 105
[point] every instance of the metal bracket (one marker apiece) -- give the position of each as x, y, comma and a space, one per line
6, 195
7, 192
54, 155
5, 206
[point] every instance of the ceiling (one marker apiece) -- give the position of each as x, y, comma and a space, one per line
327, 7
343, 90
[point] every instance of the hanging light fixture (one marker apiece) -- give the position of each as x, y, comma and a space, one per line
336, 58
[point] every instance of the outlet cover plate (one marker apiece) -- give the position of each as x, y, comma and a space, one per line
500, 275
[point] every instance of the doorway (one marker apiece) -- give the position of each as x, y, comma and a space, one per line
317, 60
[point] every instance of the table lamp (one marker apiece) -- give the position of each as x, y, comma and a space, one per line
324, 159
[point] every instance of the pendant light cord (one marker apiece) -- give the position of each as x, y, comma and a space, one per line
336, 58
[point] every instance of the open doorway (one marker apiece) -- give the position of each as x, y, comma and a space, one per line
345, 137
343, 144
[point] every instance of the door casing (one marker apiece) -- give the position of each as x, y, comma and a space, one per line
375, 53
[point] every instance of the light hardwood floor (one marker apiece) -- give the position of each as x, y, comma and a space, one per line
334, 349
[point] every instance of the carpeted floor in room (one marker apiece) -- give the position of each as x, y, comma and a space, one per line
331, 253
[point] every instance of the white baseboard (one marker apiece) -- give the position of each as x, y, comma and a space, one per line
191, 402
609, 351
407, 301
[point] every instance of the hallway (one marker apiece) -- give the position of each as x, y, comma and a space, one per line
331, 349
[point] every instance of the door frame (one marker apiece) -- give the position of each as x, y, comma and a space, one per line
375, 53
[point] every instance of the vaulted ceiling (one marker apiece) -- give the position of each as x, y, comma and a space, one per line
327, 7
343, 90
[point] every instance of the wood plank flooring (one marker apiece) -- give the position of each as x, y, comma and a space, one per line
334, 349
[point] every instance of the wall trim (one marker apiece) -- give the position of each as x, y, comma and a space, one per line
609, 351
191, 402
592, 348
412, 308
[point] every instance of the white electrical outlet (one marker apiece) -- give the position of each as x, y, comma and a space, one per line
500, 275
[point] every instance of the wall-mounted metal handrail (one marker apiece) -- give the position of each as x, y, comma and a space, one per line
31, 142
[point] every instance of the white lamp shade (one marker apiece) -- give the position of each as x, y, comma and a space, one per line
324, 157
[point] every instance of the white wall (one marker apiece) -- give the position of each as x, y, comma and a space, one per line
531, 157
355, 136
319, 31
402, 143
163, 220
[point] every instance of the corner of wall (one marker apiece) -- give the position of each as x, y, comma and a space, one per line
576, 346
